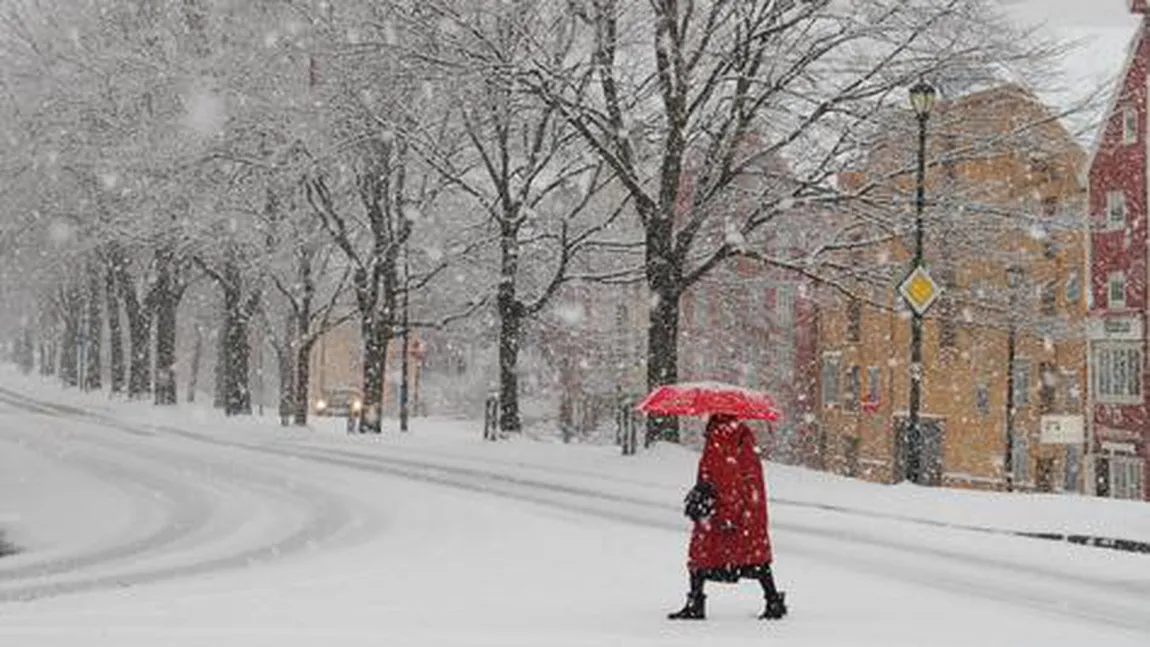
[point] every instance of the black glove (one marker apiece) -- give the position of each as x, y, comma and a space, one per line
700, 502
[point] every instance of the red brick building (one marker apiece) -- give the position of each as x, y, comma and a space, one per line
1119, 420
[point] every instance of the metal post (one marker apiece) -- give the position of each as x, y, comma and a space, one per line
1008, 459
491, 418
913, 441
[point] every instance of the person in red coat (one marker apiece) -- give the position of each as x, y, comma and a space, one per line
729, 507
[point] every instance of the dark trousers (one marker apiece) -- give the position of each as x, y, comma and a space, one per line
761, 572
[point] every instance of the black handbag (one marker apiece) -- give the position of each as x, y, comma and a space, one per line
699, 503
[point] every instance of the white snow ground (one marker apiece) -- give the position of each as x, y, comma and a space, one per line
146, 527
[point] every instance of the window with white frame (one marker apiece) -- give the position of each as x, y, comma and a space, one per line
982, 397
1020, 457
830, 379
1073, 289
1116, 209
1118, 372
1129, 125
1116, 291
1126, 477
784, 305
874, 384
1021, 383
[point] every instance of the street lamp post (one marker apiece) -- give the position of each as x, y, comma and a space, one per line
922, 100
1013, 283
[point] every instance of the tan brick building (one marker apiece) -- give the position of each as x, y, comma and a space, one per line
1005, 240
337, 363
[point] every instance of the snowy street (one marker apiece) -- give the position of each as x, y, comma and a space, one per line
190, 530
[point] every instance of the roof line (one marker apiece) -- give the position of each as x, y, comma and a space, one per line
1115, 94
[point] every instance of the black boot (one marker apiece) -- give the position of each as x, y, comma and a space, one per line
776, 607
695, 609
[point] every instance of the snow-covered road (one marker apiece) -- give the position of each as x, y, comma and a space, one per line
251, 538
177, 509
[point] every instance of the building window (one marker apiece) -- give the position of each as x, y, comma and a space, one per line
1048, 391
1021, 383
1117, 291
784, 305
982, 398
854, 320
1073, 288
830, 379
1118, 372
1073, 391
873, 384
1073, 470
1116, 209
1129, 125
1126, 477
700, 309
854, 388
1020, 457
1049, 299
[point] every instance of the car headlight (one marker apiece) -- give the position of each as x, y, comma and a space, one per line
320, 405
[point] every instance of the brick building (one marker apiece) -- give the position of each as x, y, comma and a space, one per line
1117, 177
1004, 239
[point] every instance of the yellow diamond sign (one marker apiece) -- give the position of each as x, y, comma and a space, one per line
919, 290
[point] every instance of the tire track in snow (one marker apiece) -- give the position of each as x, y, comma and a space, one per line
326, 518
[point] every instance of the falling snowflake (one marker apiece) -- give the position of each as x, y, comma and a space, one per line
59, 232
206, 113
571, 314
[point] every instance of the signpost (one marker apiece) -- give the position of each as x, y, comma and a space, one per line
919, 290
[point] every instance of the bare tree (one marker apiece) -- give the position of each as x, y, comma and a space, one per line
698, 107
519, 160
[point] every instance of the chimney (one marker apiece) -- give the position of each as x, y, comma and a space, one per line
1138, 6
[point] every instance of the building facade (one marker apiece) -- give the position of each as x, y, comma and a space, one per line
1119, 420
1003, 344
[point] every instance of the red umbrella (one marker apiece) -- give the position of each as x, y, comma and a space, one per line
706, 398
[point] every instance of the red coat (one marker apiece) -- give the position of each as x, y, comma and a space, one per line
736, 534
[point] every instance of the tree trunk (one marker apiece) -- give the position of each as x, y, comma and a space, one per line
115, 332
219, 386
510, 319
27, 351
285, 361
140, 337
167, 303
70, 353
197, 355
236, 349
509, 331
665, 282
140, 365
374, 367
94, 335
302, 382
